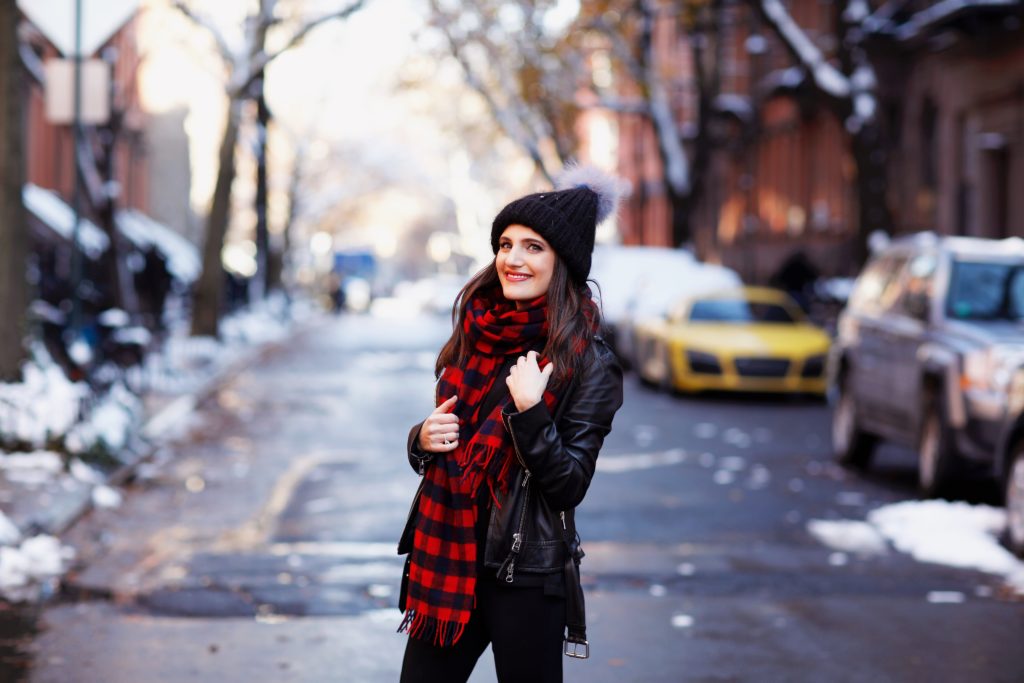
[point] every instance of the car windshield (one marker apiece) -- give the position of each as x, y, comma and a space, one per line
986, 291
739, 311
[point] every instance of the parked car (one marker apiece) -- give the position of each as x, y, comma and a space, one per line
1010, 463
742, 339
636, 283
925, 351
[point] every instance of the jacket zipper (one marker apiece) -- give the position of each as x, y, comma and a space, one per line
517, 540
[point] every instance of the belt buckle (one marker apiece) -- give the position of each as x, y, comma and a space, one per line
572, 649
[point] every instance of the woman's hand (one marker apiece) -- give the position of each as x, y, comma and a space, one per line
440, 432
527, 382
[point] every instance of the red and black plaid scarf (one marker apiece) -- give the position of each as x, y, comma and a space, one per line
442, 573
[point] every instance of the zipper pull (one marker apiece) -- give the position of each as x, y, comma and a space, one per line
511, 568
526, 479
517, 541
562, 515
421, 466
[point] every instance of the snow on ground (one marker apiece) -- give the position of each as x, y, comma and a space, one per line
46, 411
24, 568
955, 534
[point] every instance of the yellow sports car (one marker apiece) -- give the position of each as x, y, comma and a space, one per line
746, 339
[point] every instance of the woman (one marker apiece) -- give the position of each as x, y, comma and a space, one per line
525, 396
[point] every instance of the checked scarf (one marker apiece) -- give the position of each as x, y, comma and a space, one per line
442, 573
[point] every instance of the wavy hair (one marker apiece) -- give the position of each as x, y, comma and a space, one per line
573, 319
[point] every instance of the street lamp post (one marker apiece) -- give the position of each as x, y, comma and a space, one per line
76, 201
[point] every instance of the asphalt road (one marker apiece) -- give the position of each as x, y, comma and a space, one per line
261, 546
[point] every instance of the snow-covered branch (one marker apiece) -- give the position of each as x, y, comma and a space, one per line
825, 76
223, 47
263, 59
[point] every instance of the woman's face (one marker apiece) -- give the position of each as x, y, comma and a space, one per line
525, 263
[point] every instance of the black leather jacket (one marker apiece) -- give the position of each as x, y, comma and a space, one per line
534, 529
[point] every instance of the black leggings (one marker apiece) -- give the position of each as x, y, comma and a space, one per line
523, 626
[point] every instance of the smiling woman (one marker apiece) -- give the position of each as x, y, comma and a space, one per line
525, 263
526, 394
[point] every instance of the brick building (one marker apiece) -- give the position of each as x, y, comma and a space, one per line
950, 104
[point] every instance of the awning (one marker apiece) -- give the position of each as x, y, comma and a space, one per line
182, 256
54, 213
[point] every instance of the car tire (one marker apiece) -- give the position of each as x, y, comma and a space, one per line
853, 446
937, 465
1014, 499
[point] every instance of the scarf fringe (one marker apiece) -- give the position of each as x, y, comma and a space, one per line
486, 464
442, 632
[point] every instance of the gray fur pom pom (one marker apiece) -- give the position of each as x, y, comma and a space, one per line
609, 189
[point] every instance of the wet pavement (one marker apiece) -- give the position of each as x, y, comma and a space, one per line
262, 546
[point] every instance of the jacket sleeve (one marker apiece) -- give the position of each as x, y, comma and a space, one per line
418, 459
561, 458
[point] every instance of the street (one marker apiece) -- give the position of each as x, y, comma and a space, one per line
261, 547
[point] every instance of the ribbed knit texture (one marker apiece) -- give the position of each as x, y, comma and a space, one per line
567, 219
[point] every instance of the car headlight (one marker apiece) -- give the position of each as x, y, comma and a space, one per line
991, 368
703, 363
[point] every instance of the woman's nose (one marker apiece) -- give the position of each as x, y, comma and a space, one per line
515, 256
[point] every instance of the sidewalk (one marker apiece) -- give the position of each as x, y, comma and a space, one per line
41, 498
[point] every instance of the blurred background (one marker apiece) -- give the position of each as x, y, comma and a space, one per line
218, 217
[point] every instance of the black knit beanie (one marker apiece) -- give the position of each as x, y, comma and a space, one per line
566, 217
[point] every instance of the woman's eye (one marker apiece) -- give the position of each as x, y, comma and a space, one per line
535, 247
505, 245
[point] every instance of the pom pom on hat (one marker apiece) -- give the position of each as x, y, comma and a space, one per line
568, 216
608, 188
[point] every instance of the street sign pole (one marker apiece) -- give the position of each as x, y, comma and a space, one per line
76, 137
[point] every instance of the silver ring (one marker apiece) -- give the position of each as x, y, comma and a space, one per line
447, 442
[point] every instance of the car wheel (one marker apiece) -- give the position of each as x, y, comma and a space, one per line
1015, 500
937, 463
853, 447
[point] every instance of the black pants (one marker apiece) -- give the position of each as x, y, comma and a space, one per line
523, 626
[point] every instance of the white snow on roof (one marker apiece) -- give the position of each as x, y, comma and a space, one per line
182, 256
49, 208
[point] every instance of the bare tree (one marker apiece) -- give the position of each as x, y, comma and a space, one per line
13, 228
847, 85
245, 68
685, 136
524, 72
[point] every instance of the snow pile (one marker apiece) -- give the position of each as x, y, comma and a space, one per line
31, 469
848, 535
44, 406
954, 534
109, 425
25, 567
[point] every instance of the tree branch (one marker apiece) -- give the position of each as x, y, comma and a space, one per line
262, 59
226, 53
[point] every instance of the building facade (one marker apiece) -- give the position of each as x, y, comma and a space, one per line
950, 105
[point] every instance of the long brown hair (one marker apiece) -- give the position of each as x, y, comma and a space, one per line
573, 318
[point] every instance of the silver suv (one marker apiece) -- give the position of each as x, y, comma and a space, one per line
927, 347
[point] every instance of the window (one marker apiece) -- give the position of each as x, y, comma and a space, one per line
739, 311
986, 291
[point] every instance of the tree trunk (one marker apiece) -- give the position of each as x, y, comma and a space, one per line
871, 156
262, 279
14, 291
209, 292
